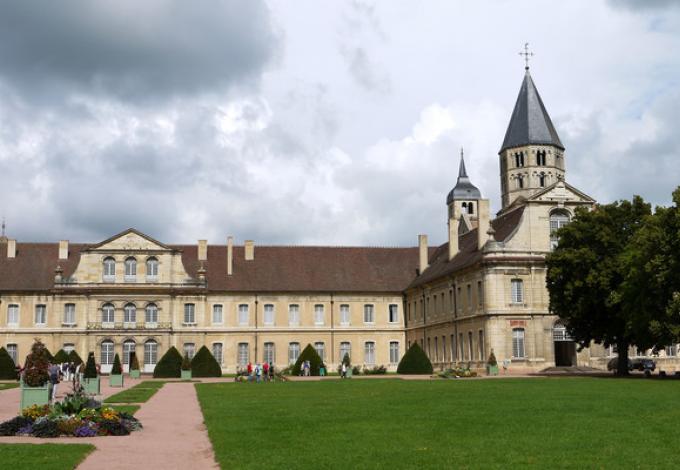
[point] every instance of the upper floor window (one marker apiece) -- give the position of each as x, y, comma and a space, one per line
130, 269
108, 313
518, 342
393, 313
243, 314
189, 313
517, 291
70, 314
469, 296
130, 313
558, 219
12, 351
152, 268
344, 314
369, 313
520, 181
540, 158
13, 314
269, 314
318, 315
480, 293
40, 314
541, 180
519, 159
151, 313
294, 315
109, 269
217, 314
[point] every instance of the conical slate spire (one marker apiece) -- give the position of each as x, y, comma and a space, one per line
464, 189
530, 122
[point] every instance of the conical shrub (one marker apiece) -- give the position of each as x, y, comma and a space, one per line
204, 364
170, 364
134, 362
116, 369
415, 361
308, 354
74, 357
90, 367
7, 366
61, 357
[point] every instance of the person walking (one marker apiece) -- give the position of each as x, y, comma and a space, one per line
53, 370
343, 371
271, 371
265, 371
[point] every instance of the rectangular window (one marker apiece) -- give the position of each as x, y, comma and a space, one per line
480, 345
393, 313
189, 314
294, 315
150, 353
68, 347
107, 353
269, 353
318, 315
217, 317
190, 349
444, 358
517, 291
320, 350
518, 342
70, 314
128, 348
470, 348
369, 352
269, 314
217, 352
243, 314
369, 313
344, 314
345, 348
469, 297
453, 348
12, 315
436, 349
242, 357
12, 351
293, 352
394, 352
480, 293
458, 299
461, 346
40, 314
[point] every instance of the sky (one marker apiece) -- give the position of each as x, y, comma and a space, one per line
316, 123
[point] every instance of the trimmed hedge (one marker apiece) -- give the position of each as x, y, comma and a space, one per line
74, 358
186, 362
7, 367
415, 361
90, 367
170, 364
49, 355
116, 369
61, 357
134, 362
204, 364
308, 354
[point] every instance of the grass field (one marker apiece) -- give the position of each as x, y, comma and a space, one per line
140, 393
7, 386
131, 409
43, 456
543, 422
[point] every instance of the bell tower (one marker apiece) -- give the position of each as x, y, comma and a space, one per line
532, 155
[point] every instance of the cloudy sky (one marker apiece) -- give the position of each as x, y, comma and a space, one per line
310, 122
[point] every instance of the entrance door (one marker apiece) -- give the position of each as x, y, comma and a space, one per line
565, 348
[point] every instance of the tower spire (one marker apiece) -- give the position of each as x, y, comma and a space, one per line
461, 169
526, 55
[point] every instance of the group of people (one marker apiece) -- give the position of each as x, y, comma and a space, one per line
260, 372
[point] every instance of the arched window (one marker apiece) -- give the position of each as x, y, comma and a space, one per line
107, 353
151, 313
130, 269
464, 206
540, 158
108, 313
520, 181
150, 353
560, 332
109, 269
558, 219
471, 208
130, 313
129, 347
152, 268
541, 180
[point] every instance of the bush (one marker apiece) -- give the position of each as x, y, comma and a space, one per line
491, 361
204, 364
35, 369
45, 428
74, 358
61, 357
11, 427
415, 361
377, 370
90, 367
308, 354
186, 362
116, 369
170, 364
134, 362
7, 367
49, 355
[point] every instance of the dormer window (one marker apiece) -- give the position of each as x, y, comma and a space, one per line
130, 269
109, 269
152, 268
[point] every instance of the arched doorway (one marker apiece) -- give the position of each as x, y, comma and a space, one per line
565, 348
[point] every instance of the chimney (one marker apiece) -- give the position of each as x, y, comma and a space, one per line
230, 256
250, 250
482, 222
63, 249
453, 237
11, 248
203, 250
422, 245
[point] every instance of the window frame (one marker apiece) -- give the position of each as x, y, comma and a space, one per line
106, 356
13, 351
217, 314
345, 311
293, 319
130, 314
151, 307
517, 291
109, 275
40, 311
69, 310
394, 352
369, 352
189, 313
369, 313
152, 264
243, 314
393, 314
268, 314
130, 269
220, 359
518, 342
319, 319
110, 308
13, 310
293, 352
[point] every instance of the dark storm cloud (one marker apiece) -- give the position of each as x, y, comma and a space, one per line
133, 50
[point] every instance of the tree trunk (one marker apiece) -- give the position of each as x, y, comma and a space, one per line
622, 366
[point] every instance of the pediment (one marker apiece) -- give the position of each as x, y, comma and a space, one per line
130, 240
561, 192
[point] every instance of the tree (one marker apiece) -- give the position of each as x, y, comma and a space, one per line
169, 365
586, 272
134, 362
74, 357
415, 361
204, 364
8, 369
651, 290
49, 355
90, 367
37, 363
61, 357
308, 354
116, 369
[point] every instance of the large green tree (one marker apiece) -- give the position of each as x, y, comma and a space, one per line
586, 272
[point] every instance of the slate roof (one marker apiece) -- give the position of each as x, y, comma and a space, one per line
464, 189
530, 122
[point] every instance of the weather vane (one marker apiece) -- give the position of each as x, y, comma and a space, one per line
526, 55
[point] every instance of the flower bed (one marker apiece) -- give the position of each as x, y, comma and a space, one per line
76, 416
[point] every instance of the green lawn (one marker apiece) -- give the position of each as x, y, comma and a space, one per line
130, 409
43, 456
545, 422
140, 393
7, 386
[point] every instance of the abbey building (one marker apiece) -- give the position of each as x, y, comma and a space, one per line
482, 291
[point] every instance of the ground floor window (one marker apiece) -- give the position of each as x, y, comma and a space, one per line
217, 352
436, 349
345, 349
190, 349
128, 347
461, 346
518, 342
269, 352
453, 348
107, 353
480, 345
293, 352
320, 348
12, 351
470, 356
68, 347
369, 352
150, 352
394, 352
242, 357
